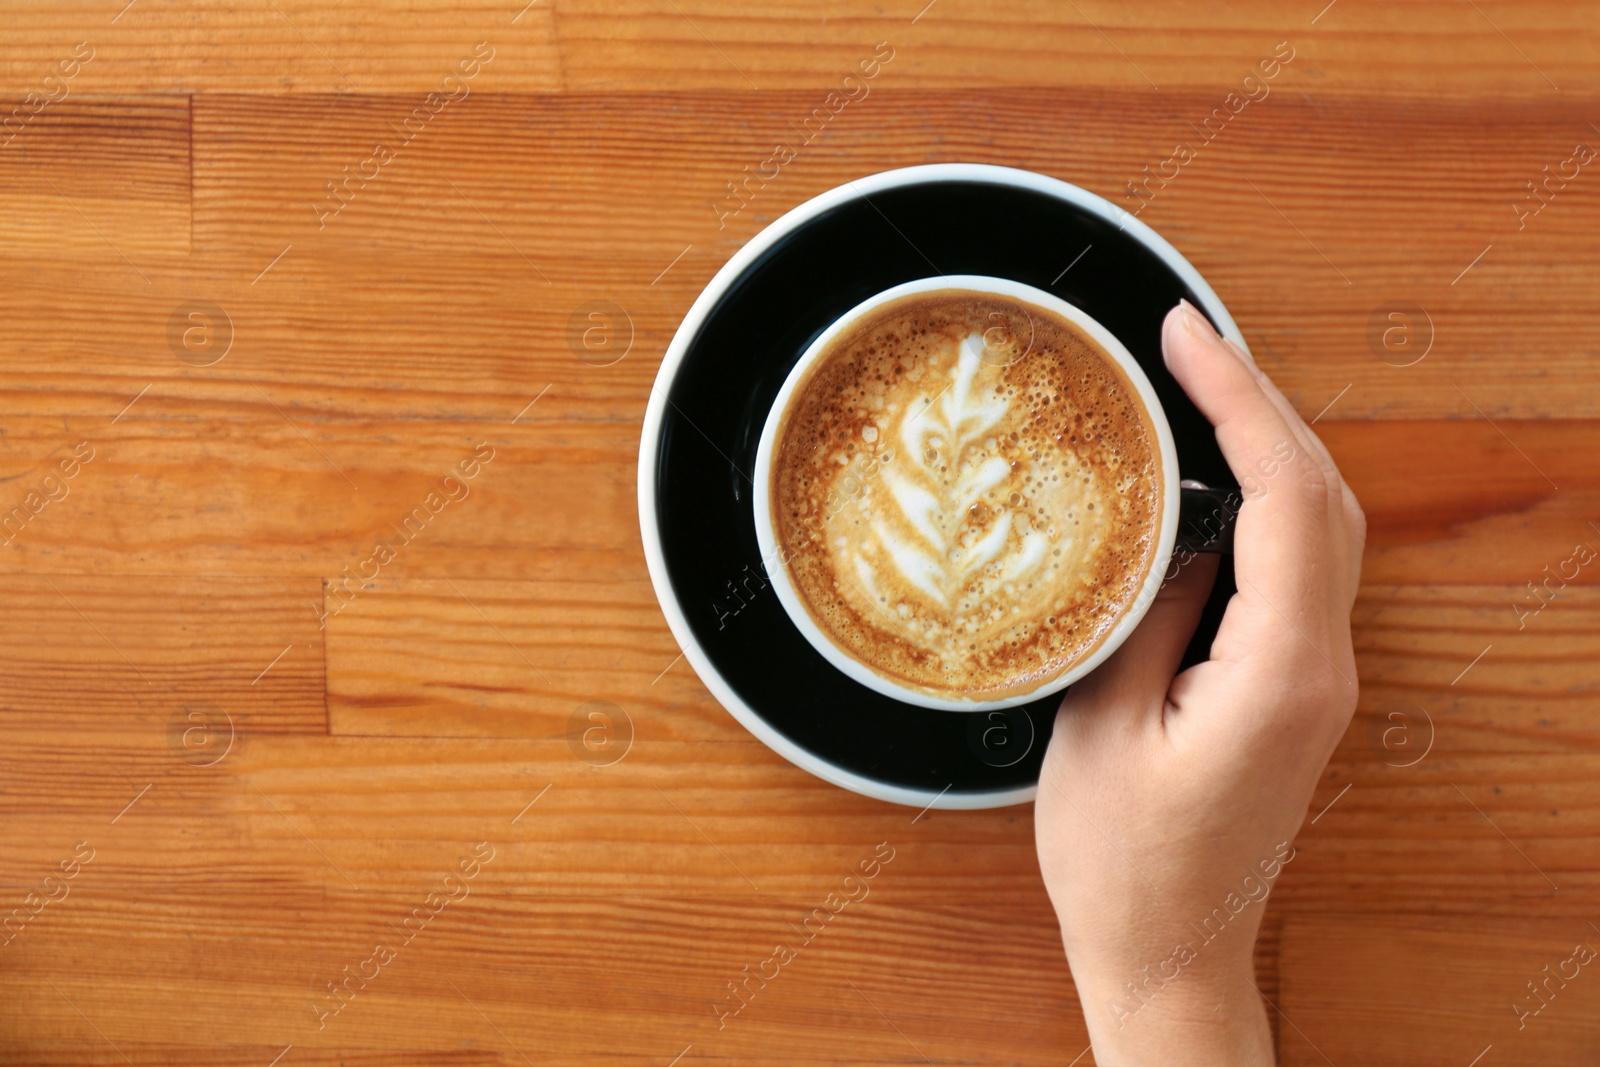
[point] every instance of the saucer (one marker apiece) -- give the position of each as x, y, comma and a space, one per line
721, 374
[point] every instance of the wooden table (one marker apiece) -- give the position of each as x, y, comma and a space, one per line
229, 779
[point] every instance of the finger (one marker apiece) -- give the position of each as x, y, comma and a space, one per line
1291, 416
1301, 429
1132, 683
1282, 534
1351, 528
1289, 602
1253, 421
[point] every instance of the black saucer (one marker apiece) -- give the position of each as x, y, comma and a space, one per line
717, 402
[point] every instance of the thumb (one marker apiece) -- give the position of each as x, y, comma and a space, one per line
1137, 676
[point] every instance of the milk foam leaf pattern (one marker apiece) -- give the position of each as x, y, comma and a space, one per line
948, 472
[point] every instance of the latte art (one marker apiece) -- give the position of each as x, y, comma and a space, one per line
966, 492
941, 521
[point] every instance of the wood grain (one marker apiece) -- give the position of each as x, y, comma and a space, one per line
237, 478
204, 578
1437, 992
275, 490
97, 178
1430, 48
130, 652
285, 861
480, 658
541, 204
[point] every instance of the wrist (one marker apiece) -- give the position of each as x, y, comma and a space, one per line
1206, 1013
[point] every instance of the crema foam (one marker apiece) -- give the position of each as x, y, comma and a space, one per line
966, 492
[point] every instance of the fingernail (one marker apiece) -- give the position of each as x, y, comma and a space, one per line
1196, 323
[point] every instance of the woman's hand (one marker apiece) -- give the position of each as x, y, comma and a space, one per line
1167, 805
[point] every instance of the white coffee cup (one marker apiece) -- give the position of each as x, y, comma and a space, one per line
772, 553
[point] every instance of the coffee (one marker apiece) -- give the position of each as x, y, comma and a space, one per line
967, 494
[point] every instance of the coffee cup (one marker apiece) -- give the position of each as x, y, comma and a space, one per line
919, 594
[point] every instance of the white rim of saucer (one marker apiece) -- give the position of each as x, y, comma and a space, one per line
694, 319
1166, 529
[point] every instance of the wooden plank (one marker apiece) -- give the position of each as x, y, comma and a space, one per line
667, 985
272, 496
1476, 670
494, 658
1091, 46
544, 167
1465, 782
280, 492
307, 46
132, 656
634, 827
61, 1053
1451, 835
1362, 989
107, 180
1501, 499
257, 488
289, 46
373, 336
245, 888
341, 337
491, 658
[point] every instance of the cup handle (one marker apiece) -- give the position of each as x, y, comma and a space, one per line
1206, 518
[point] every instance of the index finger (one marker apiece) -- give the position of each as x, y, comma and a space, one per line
1283, 533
